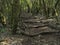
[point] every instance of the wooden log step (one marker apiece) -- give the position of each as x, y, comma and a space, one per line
35, 31
38, 20
47, 20
32, 20
35, 25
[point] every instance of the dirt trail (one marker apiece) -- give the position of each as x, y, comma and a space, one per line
33, 31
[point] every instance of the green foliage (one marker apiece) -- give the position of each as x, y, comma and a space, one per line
2, 30
11, 9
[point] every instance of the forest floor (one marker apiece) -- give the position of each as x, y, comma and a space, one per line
44, 39
48, 39
47, 35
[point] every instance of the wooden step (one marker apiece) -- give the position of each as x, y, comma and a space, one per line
34, 31
32, 20
37, 25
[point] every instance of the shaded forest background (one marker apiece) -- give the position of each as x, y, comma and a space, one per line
12, 11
